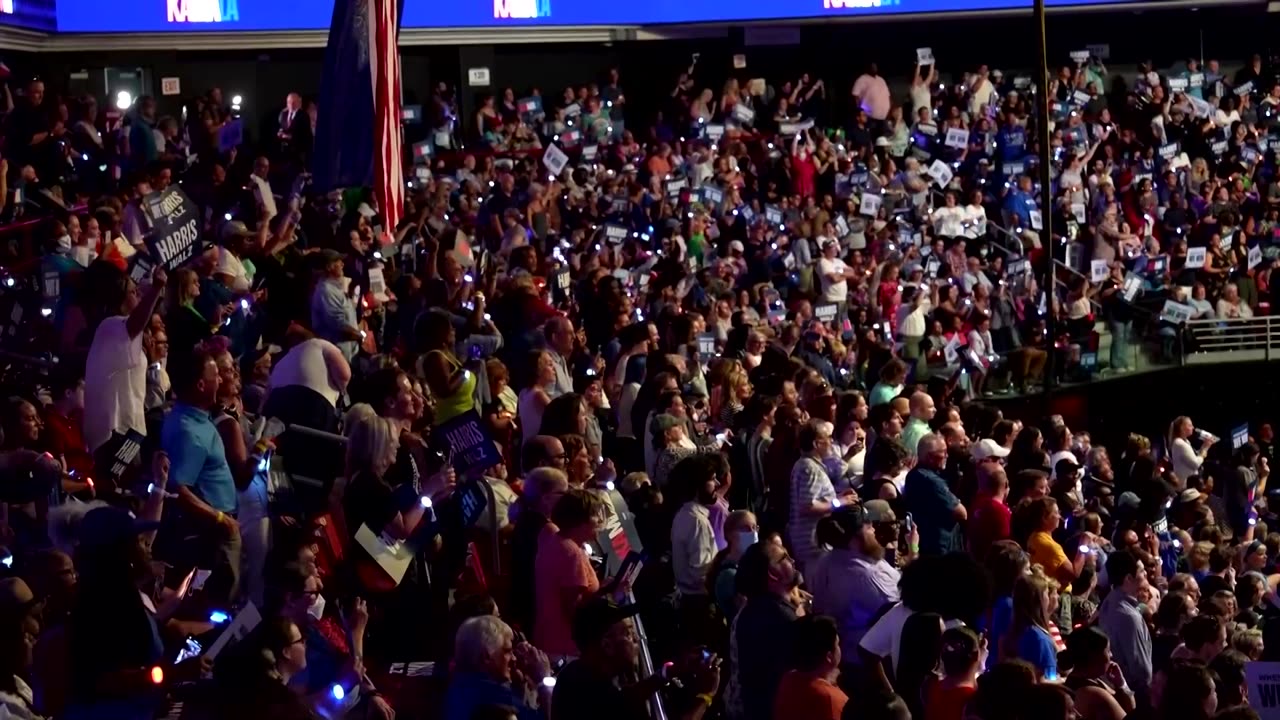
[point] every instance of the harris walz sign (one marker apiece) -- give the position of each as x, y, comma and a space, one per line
175, 227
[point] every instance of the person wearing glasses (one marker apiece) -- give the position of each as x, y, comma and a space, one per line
936, 510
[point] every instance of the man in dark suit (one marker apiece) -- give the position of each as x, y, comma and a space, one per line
294, 134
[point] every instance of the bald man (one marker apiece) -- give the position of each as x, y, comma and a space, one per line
922, 411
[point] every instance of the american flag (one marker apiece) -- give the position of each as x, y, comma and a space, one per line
384, 66
358, 140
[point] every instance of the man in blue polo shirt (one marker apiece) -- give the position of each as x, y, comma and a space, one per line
206, 489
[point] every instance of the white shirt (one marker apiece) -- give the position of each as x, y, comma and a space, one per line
115, 383
976, 217
306, 364
231, 266
1186, 462
884, 639
949, 221
980, 342
980, 94
833, 292
693, 547
564, 380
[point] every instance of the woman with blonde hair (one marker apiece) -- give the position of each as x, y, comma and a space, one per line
1185, 461
368, 499
1030, 635
735, 390
185, 325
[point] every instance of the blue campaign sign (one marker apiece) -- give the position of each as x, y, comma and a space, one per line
232, 15
469, 445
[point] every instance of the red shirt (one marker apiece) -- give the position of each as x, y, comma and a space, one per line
65, 441
990, 522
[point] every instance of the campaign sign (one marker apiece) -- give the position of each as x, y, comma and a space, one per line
773, 214
1196, 257
941, 173
1255, 256
140, 268
555, 159
1098, 270
1240, 437
470, 446
175, 226
870, 204
120, 452
957, 138
675, 186
1176, 312
706, 344
615, 234
1037, 220
924, 56
826, 312
712, 196
1263, 679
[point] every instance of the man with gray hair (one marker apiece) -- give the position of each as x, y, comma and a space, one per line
937, 512
484, 654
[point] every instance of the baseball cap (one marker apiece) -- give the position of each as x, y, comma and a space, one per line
235, 228
110, 526
1189, 495
989, 448
736, 246
664, 422
593, 620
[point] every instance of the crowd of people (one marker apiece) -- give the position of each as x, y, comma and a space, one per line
648, 412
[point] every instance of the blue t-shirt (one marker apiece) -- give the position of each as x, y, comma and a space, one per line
1036, 647
999, 617
197, 456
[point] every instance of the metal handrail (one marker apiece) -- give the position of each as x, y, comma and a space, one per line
656, 709
1245, 338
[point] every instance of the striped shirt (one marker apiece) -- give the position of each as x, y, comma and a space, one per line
809, 484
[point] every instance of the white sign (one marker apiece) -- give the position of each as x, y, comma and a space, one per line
1078, 212
1178, 84
951, 352
1079, 56
1255, 256
957, 138
170, 86
1098, 270
393, 556
941, 173
826, 312
243, 624
924, 56
378, 284
870, 205
743, 114
555, 160
1176, 312
1132, 284
794, 128
1195, 257
715, 132
478, 77
1037, 220
739, 61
